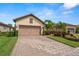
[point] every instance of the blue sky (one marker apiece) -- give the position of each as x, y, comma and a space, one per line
65, 12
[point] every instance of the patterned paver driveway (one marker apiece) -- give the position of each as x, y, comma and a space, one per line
41, 46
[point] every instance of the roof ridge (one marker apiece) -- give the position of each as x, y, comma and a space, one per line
26, 16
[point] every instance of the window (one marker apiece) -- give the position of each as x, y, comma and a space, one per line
31, 20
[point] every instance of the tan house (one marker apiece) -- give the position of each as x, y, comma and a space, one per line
29, 25
69, 28
4, 27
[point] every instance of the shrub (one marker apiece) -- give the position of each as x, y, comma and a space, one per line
46, 32
15, 33
77, 29
9, 34
71, 37
12, 33
57, 33
3, 33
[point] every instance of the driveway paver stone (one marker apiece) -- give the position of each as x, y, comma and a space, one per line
40, 46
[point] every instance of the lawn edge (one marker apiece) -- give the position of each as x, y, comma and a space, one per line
61, 42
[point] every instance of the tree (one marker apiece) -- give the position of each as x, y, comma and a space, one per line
48, 25
61, 25
60, 29
10, 26
77, 29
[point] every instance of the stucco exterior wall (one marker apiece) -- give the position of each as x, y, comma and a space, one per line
4, 28
25, 21
72, 27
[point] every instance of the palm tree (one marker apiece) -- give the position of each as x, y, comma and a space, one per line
61, 25
49, 24
60, 28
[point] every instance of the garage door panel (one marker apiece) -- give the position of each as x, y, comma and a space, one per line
29, 30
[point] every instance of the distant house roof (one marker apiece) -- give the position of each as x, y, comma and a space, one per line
77, 25
19, 18
55, 26
70, 25
3, 24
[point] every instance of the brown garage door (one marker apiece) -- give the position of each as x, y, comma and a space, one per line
29, 30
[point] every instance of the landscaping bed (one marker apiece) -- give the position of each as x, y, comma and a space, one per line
6, 45
65, 41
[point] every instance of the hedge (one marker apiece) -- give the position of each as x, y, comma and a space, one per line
9, 34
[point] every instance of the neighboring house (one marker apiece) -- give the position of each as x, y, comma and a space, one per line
69, 28
56, 28
4, 27
29, 25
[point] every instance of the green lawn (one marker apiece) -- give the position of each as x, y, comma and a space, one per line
65, 41
6, 45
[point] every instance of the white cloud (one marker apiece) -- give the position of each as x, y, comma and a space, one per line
3, 15
6, 15
67, 12
45, 13
70, 5
6, 18
67, 8
41, 12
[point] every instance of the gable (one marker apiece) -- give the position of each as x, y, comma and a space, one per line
26, 21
